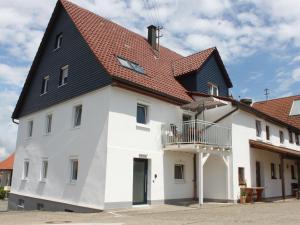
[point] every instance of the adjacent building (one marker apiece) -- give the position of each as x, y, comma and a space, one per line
6, 171
110, 119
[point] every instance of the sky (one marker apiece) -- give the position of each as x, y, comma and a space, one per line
258, 40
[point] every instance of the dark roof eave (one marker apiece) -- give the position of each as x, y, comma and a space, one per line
117, 81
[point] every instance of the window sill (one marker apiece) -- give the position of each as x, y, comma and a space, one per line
62, 85
43, 181
56, 49
76, 128
143, 126
72, 182
179, 181
24, 179
48, 134
43, 94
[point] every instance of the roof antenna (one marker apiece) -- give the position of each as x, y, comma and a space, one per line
267, 93
159, 35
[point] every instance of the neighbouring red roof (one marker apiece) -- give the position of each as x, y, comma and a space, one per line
192, 62
8, 163
280, 108
108, 40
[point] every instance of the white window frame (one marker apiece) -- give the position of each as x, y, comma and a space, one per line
256, 130
47, 125
62, 75
281, 141
211, 88
293, 111
26, 167
74, 125
146, 107
180, 180
45, 85
30, 125
58, 40
44, 170
71, 179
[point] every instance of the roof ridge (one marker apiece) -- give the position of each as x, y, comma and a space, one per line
112, 22
274, 99
211, 48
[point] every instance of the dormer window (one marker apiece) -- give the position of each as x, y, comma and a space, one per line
63, 77
45, 82
213, 89
295, 110
58, 41
131, 65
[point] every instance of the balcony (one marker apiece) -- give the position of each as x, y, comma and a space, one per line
196, 132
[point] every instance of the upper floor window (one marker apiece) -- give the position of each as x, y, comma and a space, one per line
267, 132
297, 139
30, 128
26, 169
48, 123
291, 138
58, 41
77, 115
45, 82
142, 114
131, 65
281, 137
258, 128
213, 89
63, 77
295, 110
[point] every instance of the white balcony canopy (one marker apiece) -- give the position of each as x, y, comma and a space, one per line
202, 103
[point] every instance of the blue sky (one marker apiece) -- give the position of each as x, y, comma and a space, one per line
259, 41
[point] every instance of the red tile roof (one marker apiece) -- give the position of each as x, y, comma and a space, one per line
280, 108
8, 163
192, 62
108, 40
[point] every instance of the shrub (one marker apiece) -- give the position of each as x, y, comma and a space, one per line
2, 193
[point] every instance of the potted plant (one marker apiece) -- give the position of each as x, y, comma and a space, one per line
243, 196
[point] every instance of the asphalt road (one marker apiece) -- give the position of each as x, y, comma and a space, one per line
281, 213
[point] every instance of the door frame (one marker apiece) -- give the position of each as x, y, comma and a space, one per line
256, 173
145, 181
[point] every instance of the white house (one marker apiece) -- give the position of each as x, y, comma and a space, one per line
109, 119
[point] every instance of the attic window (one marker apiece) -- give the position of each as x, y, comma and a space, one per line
295, 110
131, 65
58, 41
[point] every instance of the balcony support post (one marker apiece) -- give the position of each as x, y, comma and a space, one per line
200, 178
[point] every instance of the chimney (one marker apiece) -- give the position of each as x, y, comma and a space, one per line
247, 101
152, 36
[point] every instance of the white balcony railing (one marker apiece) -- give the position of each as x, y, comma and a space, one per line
197, 132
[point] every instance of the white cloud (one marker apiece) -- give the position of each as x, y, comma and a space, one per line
238, 28
12, 75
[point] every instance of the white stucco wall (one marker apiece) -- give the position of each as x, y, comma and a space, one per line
243, 129
127, 140
87, 143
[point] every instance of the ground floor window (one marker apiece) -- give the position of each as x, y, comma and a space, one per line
179, 172
273, 171
293, 172
242, 176
74, 170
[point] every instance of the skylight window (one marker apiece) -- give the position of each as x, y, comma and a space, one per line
295, 110
131, 65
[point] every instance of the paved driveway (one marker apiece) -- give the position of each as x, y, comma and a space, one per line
281, 213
